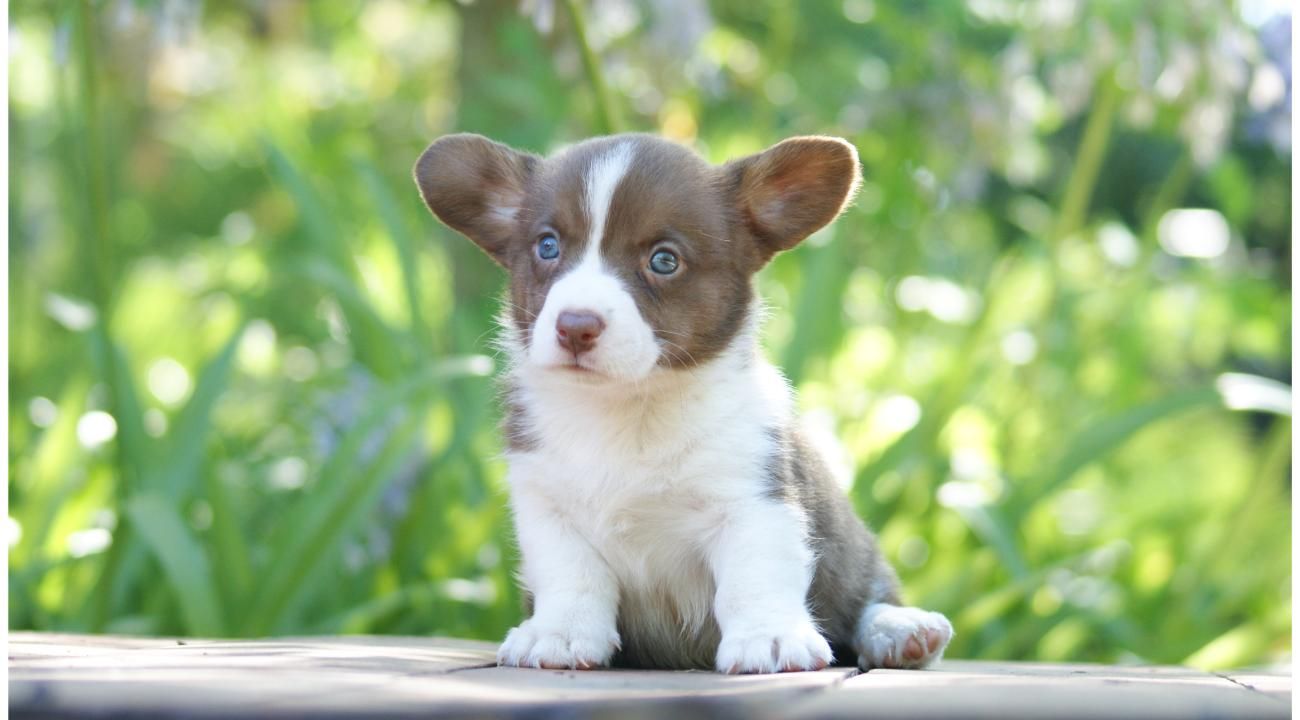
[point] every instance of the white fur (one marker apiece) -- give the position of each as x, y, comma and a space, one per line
602, 180
763, 567
654, 490
626, 350
885, 630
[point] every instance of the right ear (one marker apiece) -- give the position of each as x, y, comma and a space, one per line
475, 186
789, 191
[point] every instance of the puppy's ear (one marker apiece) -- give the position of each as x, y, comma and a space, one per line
792, 189
475, 186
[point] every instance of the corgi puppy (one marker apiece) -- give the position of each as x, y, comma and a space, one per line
669, 514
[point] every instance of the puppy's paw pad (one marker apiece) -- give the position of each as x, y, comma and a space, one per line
533, 644
778, 650
902, 637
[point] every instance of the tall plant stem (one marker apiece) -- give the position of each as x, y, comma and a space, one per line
97, 240
1088, 159
98, 251
608, 119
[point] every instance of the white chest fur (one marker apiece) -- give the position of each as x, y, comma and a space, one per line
647, 477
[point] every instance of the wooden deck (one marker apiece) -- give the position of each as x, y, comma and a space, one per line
345, 677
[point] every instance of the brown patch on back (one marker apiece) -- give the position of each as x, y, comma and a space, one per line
851, 572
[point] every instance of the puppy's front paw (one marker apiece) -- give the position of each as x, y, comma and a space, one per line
580, 646
780, 649
901, 637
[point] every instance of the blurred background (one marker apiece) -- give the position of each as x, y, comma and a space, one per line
251, 380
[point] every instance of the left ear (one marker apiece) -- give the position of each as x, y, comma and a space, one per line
792, 189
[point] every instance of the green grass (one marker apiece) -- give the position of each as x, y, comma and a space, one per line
1021, 376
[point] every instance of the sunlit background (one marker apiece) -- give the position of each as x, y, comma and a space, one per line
250, 386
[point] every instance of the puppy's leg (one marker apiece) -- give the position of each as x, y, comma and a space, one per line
890, 636
762, 566
575, 596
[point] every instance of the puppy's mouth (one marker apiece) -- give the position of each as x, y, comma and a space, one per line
580, 367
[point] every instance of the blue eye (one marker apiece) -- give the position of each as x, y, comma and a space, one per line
548, 248
664, 262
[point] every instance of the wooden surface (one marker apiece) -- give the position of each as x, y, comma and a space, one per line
98, 676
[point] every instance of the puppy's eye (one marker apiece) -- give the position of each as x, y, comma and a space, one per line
548, 247
664, 262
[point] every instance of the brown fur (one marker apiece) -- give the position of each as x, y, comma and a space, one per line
851, 572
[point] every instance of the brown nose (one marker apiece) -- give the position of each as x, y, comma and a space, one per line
577, 331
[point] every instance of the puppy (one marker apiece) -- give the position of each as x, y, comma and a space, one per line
668, 512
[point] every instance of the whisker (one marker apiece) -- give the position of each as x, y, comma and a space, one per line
688, 354
673, 332
531, 315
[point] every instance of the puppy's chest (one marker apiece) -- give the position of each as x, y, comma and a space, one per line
652, 525
618, 495
648, 496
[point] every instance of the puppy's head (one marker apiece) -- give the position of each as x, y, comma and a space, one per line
630, 254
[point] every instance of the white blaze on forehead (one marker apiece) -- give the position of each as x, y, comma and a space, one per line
602, 179
627, 348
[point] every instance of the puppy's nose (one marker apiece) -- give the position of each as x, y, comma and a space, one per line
577, 331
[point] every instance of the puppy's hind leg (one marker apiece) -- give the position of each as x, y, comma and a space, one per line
890, 636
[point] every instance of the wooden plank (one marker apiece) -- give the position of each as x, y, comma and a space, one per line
513, 691
23, 645
345, 677
1031, 690
337, 677
1093, 670
79, 675
1275, 683
536, 685
387, 655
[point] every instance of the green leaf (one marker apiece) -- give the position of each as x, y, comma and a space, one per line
375, 343
405, 244
178, 473
993, 529
134, 446
344, 493
173, 476
183, 561
134, 458
233, 568
312, 212
1104, 436
181, 467
45, 481
374, 334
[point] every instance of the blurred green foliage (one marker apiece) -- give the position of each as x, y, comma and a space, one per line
248, 389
